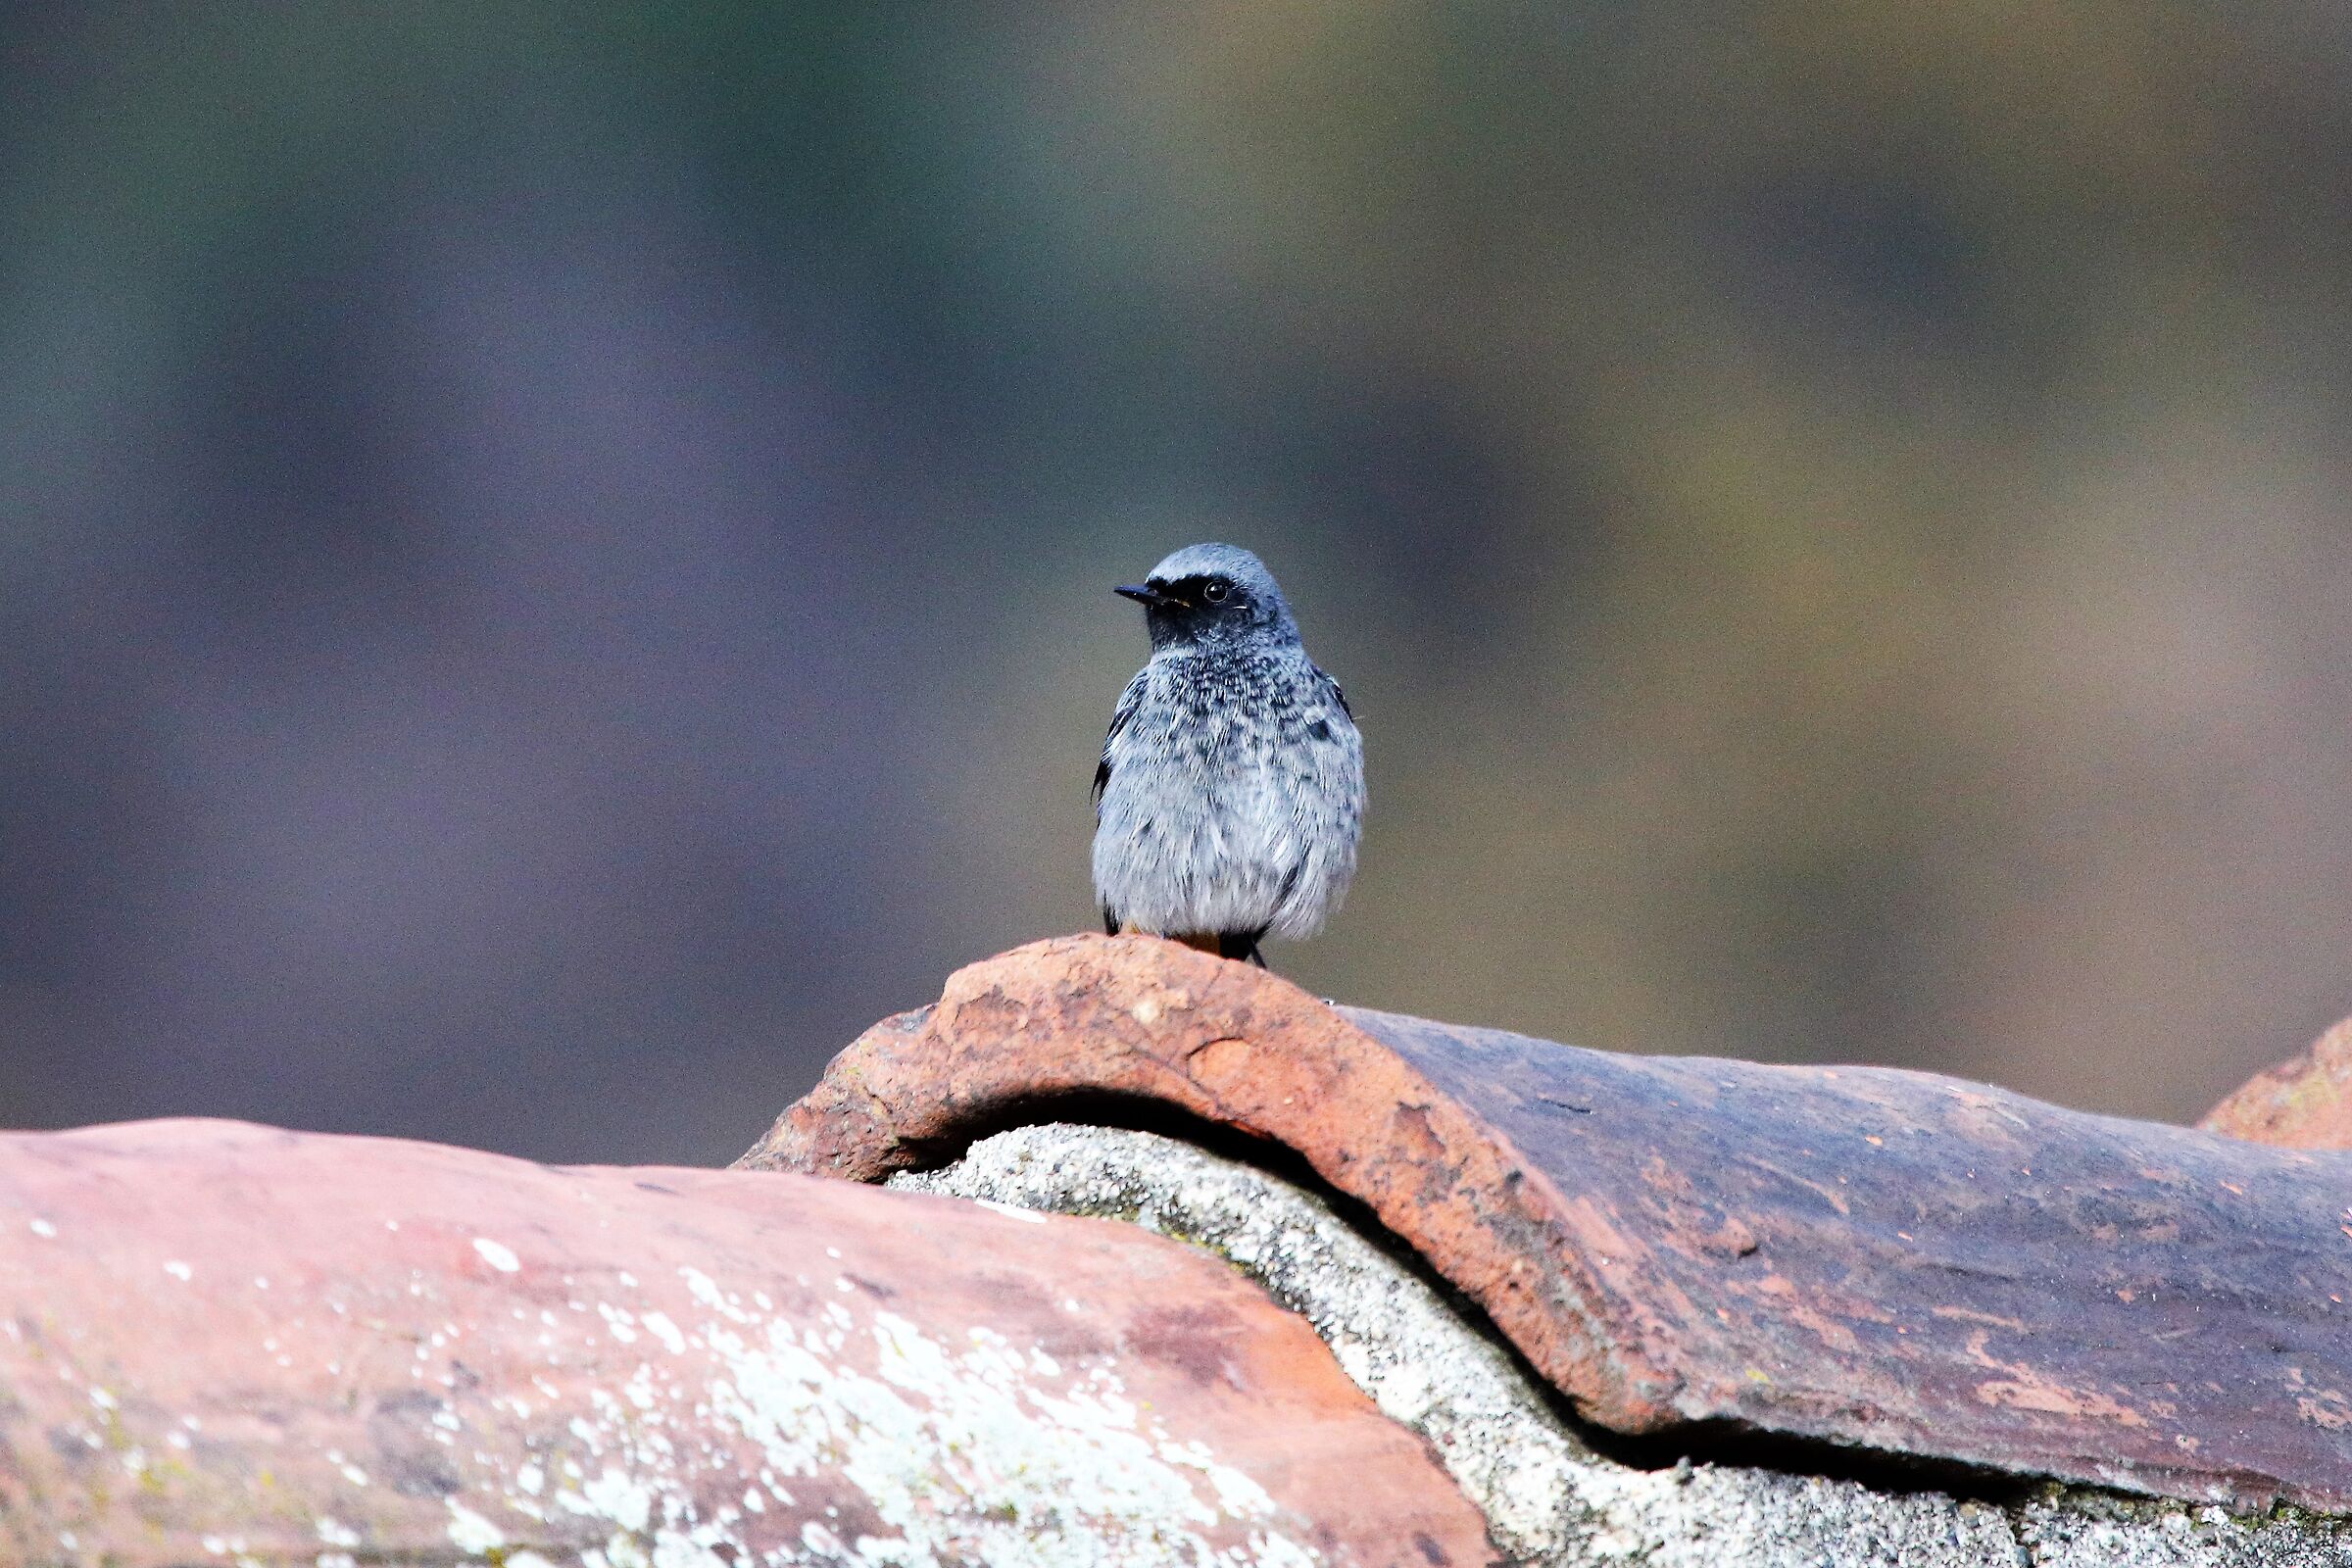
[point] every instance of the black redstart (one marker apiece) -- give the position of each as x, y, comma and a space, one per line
1231, 790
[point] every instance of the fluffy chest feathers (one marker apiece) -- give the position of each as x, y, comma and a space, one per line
1231, 795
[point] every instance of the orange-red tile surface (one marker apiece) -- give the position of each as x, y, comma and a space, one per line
1885, 1259
222, 1342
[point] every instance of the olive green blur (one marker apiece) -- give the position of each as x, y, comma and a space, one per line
555, 558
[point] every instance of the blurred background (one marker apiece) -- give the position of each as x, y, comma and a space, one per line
555, 558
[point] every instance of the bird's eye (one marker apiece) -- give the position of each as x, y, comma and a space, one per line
1213, 593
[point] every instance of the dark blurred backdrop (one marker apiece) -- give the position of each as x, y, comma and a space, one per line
555, 557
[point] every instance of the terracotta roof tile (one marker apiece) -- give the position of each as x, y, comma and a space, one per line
221, 1343
1888, 1259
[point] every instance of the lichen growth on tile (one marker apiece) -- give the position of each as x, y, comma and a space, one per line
1549, 1499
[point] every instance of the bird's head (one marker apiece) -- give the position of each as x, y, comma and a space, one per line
1211, 596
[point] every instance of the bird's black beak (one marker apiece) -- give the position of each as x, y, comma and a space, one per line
1143, 595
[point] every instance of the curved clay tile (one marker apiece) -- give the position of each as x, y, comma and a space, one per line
1893, 1260
223, 1343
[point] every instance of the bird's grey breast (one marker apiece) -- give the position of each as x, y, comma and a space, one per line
1232, 794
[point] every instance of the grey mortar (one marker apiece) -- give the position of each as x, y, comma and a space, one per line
1548, 1497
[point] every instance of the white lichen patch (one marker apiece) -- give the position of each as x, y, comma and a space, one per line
660, 1326
873, 1441
698, 1426
471, 1532
497, 1254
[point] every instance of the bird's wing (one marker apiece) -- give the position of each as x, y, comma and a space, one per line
1338, 696
1120, 717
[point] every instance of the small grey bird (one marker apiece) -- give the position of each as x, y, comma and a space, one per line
1231, 790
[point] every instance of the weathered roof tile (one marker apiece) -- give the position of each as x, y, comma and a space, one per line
1887, 1259
222, 1342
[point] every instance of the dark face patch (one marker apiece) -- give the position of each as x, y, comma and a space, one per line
1202, 609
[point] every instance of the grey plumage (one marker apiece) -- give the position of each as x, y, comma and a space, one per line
1231, 790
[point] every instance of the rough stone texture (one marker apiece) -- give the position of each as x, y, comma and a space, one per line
221, 1344
2303, 1102
1551, 1498
1886, 1259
